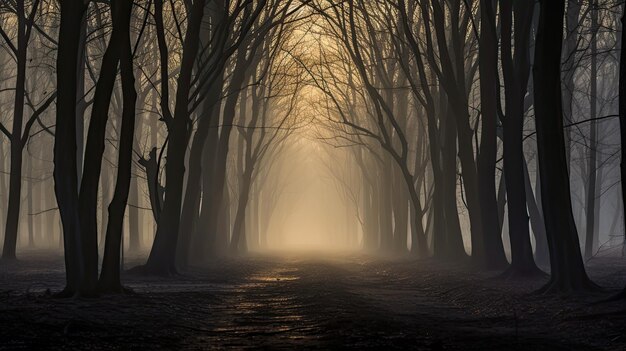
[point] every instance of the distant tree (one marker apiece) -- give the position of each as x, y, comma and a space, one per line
447, 240
591, 197
622, 122
20, 129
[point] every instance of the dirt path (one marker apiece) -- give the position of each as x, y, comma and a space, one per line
293, 302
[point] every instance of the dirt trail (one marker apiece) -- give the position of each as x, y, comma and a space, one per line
296, 301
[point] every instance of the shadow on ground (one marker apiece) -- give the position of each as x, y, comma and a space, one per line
295, 302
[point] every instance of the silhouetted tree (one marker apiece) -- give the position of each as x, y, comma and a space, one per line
20, 131
567, 269
110, 276
65, 163
486, 161
622, 121
516, 18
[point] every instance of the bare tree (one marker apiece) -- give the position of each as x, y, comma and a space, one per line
567, 269
20, 129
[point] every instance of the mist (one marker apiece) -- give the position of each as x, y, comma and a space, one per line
306, 174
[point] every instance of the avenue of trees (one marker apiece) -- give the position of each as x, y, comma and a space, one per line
486, 132
493, 124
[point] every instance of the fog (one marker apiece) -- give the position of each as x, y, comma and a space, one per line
425, 174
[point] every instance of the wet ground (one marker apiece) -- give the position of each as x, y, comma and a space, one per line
302, 302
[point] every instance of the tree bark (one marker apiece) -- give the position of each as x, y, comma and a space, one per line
94, 151
385, 211
65, 163
542, 256
219, 170
239, 235
516, 72
454, 248
567, 269
109, 281
193, 191
494, 258
622, 127
16, 142
569, 68
134, 218
29, 216
162, 260
592, 165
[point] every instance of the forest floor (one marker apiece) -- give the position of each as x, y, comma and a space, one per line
299, 301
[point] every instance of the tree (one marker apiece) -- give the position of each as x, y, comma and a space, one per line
163, 253
20, 131
447, 238
488, 62
516, 72
567, 269
65, 163
622, 121
354, 27
94, 151
267, 127
454, 75
592, 165
110, 276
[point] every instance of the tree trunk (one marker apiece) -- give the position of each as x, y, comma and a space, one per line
155, 193
400, 211
15, 198
501, 201
516, 71
105, 183
385, 208
94, 151
494, 258
109, 281
162, 260
542, 256
3, 189
622, 129
567, 269
569, 69
191, 206
65, 163
133, 217
17, 145
201, 237
224, 221
219, 170
239, 235
592, 165
454, 248
30, 218
81, 104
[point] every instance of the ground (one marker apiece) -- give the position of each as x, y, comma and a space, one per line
297, 301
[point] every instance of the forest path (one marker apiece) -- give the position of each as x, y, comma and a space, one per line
302, 301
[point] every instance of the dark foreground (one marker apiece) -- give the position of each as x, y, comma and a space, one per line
294, 302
